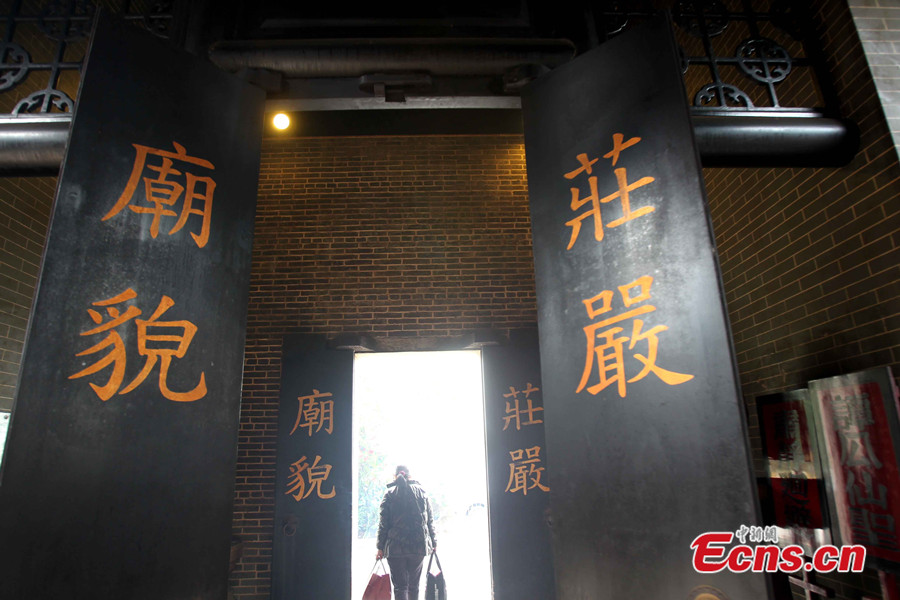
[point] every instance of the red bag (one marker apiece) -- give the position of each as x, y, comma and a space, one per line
379, 587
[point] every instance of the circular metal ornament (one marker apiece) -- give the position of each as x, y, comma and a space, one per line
788, 17
689, 13
289, 525
706, 592
615, 18
41, 101
682, 59
67, 21
764, 60
14, 65
733, 96
157, 18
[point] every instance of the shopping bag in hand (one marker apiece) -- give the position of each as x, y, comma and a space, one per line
379, 587
435, 587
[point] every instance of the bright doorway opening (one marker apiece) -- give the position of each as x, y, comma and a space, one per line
424, 410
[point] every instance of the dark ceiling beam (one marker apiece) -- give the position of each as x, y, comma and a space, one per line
354, 58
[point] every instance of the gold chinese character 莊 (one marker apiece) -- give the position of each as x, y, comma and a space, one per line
164, 189
622, 193
514, 413
606, 347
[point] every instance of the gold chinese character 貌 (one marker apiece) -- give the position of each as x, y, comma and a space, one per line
305, 478
171, 340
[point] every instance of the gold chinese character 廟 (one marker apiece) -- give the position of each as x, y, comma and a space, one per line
315, 412
165, 188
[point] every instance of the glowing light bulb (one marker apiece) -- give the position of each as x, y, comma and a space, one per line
281, 121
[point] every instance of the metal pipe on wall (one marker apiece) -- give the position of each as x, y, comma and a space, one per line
36, 146
756, 141
33, 145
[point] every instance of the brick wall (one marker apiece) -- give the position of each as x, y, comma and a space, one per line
878, 23
404, 239
24, 216
371, 235
810, 257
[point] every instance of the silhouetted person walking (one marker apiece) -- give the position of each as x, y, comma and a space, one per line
405, 533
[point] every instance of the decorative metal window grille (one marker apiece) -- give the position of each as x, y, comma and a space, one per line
740, 55
44, 45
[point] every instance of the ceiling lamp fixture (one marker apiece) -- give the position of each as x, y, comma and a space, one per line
281, 121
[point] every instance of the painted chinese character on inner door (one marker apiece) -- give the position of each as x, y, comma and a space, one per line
314, 412
514, 412
304, 479
525, 471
